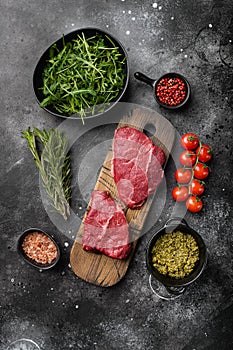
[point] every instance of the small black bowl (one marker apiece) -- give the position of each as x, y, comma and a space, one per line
31, 261
173, 285
154, 82
88, 32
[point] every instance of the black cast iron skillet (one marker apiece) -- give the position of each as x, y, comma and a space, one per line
154, 82
88, 32
173, 285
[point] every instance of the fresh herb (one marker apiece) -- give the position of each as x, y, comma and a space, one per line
53, 165
85, 73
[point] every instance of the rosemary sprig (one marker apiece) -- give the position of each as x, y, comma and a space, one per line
85, 73
53, 165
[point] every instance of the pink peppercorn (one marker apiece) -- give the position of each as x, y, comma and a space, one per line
171, 91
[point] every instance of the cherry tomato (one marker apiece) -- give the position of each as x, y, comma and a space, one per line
183, 175
180, 194
200, 171
194, 204
204, 153
189, 141
196, 187
188, 158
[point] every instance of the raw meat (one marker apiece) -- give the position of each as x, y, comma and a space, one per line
136, 166
105, 227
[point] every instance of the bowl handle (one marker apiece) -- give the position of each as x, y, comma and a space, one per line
142, 77
169, 293
177, 220
176, 290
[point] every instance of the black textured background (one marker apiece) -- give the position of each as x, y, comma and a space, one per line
55, 308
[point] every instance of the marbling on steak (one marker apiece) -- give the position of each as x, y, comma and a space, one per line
136, 166
105, 227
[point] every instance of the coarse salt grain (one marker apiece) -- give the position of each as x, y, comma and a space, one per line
129, 12
155, 5
210, 25
127, 32
39, 247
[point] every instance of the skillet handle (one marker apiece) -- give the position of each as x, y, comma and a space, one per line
177, 220
144, 78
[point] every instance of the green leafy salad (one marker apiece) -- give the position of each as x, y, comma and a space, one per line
85, 73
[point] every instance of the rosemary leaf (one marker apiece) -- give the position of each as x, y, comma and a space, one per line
53, 165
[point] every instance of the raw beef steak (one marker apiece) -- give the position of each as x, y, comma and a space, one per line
105, 227
136, 166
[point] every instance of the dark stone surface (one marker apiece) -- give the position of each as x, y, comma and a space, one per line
55, 308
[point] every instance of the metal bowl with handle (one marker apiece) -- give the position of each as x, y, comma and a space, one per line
154, 82
177, 285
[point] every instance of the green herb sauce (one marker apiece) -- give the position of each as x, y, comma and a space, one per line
175, 254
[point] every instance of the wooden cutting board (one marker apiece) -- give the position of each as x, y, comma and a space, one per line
97, 268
